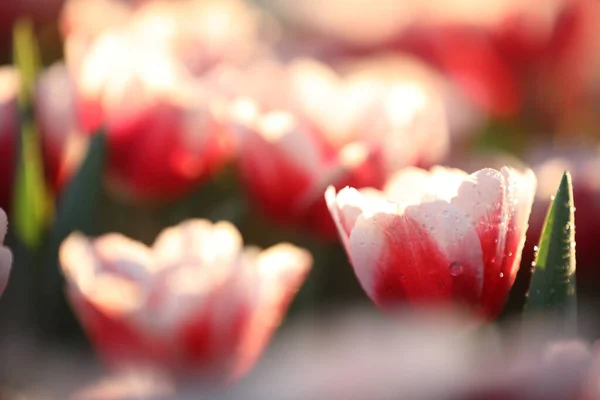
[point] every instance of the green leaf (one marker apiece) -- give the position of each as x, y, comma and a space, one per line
32, 201
77, 211
553, 282
26, 57
79, 201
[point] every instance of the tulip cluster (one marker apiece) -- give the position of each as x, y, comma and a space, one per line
343, 125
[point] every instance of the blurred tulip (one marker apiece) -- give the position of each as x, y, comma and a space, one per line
9, 131
436, 237
63, 142
493, 50
193, 303
305, 127
201, 33
163, 136
197, 33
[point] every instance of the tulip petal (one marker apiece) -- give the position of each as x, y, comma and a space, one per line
396, 258
282, 269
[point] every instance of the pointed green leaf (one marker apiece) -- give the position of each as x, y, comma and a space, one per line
32, 201
77, 210
553, 281
78, 203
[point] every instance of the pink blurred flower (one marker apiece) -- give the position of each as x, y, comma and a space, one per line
198, 33
304, 127
163, 136
63, 142
495, 50
195, 302
437, 236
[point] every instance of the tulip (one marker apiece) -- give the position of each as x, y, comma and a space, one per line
163, 138
493, 50
437, 237
193, 303
315, 127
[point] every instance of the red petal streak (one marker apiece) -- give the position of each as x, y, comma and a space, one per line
410, 266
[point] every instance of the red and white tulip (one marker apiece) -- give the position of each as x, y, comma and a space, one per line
304, 127
196, 302
163, 137
439, 236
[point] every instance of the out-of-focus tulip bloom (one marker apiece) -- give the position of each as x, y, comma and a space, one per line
162, 135
63, 142
9, 131
5, 254
583, 164
201, 33
198, 33
439, 236
195, 302
313, 128
494, 50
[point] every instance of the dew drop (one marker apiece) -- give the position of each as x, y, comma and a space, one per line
501, 274
456, 268
533, 263
535, 248
445, 212
431, 228
509, 254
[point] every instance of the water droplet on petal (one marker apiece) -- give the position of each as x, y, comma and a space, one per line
535, 248
445, 212
501, 275
456, 268
509, 254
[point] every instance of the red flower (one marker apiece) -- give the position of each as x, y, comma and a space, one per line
306, 127
437, 236
163, 136
193, 303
